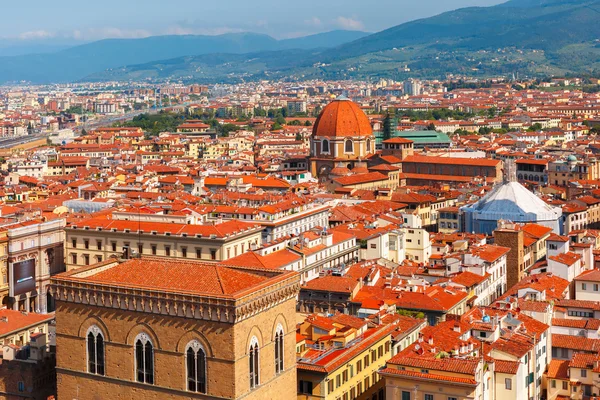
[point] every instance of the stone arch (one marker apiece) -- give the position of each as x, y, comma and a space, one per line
87, 324
254, 332
142, 328
279, 320
189, 336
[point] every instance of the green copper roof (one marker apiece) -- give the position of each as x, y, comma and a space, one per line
419, 137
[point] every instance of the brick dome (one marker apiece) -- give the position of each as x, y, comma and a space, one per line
342, 118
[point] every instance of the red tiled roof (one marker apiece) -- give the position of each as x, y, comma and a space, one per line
577, 343
17, 320
558, 369
427, 376
178, 276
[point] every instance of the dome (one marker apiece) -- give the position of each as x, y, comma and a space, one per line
513, 201
342, 118
571, 158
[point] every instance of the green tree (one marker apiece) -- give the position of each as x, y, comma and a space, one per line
431, 127
299, 137
276, 126
535, 127
280, 119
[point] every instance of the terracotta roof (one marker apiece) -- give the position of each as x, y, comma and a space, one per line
330, 283
342, 118
427, 376
17, 320
577, 343
178, 276
558, 369
485, 162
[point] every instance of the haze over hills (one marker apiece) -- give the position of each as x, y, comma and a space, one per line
78, 62
535, 37
531, 37
539, 24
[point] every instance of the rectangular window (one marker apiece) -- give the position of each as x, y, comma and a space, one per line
359, 366
595, 287
405, 395
428, 397
584, 373
565, 385
583, 286
367, 362
74, 259
153, 247
380, 351
213, 254
86, 244
330, 386
553, 383
508, 383
305, 387
168, 251
113, 246
74, 243
86, 259
184, 252
99, 245
338, 381
198, 253
344, 376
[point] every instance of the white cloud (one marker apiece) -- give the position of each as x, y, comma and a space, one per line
314, 21
349, 23
187, 30
32, 35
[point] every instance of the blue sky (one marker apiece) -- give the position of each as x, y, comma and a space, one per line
68, 20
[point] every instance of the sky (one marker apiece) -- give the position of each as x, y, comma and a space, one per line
68, 20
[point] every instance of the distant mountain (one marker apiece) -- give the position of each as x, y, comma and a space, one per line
532, 37
78, 62
540, 24
322, 40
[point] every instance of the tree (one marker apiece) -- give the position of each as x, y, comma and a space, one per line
387, 127
83, 132
307, 123
276, 126
280, 119
535, 127
431, 127
299, 137
492, 111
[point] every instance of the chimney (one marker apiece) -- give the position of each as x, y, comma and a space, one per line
430, 341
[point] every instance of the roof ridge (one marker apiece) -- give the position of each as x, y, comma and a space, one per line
218, 273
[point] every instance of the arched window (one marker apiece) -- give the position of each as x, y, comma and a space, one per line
144, 359
196, 367
253, 363
325, 146
279, 349
95, 350
368, 146
349, 146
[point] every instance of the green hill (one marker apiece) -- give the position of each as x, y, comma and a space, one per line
78, 62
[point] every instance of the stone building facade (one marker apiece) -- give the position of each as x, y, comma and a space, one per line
145, 328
